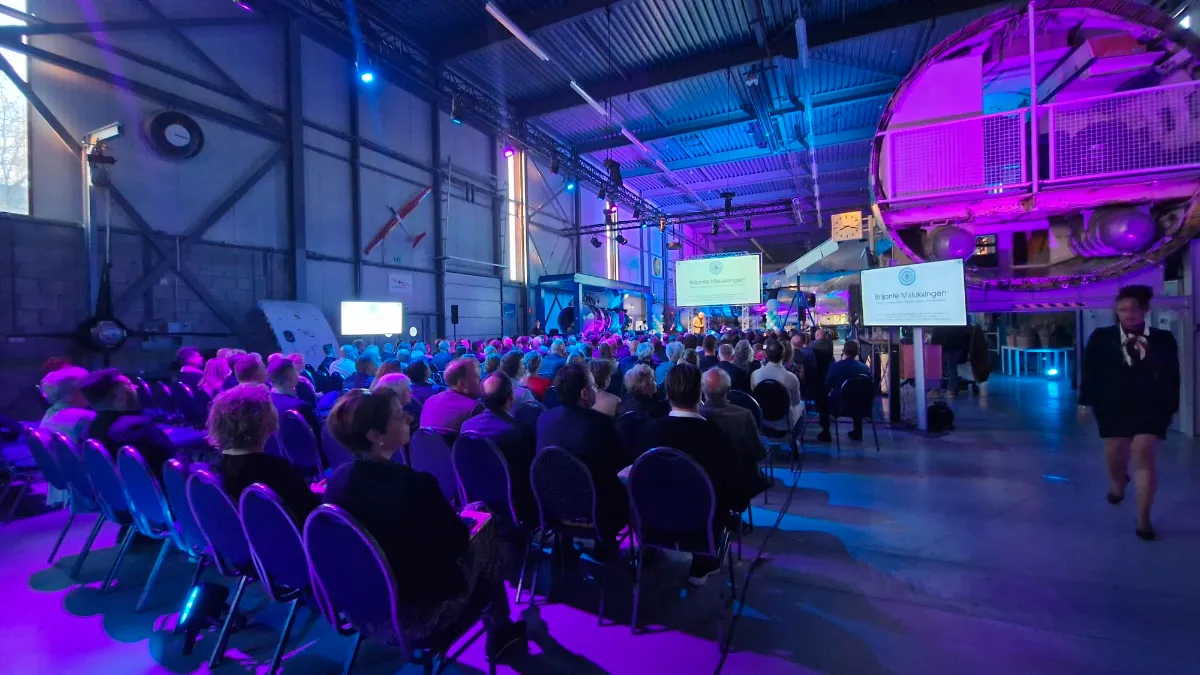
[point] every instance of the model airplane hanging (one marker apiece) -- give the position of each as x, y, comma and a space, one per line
397, 218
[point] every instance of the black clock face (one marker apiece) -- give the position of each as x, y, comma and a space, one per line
174, 135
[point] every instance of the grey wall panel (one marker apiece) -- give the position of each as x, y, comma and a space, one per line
396, 120
466, 148
252, 56
592, 213
329, 283
327, 181
415, 291
326, 85
469, 233
478, 300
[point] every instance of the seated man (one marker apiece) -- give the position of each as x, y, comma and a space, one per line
191, 366
284, 378
709, 358
739, 378
364, 373
249, 369
330, 357
592, 437
422, 387
513, 365
685, 430
449, 409
841, 371
774, 369
119, 421
739, 425
556, 359
515, 439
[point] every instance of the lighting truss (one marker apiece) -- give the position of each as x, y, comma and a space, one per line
744, 211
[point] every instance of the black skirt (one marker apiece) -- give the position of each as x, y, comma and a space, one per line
1130, 423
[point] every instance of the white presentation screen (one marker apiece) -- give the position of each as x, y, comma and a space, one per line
927, 294
734, 280
372, 318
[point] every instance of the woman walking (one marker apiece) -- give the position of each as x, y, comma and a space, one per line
1130, 381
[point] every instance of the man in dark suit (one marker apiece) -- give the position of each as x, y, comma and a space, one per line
709, 358
119, 421
282, 375
738, 377
841, 371
515, 439
449, 409
740, 426
592, 437
684, 429
330, 357
822, 348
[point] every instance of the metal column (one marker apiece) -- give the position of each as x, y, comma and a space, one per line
296, 187
439, 241
919, 378
356, 192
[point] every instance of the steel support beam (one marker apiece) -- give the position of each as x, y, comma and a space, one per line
439, 234
476, 36
750, 179
859, 24
159, 23
297, 213
852, 136
356, 221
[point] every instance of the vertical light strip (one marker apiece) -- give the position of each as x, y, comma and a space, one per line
513, 225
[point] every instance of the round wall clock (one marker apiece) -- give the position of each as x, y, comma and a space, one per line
174, 135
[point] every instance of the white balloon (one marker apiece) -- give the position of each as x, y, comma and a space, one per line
773, 305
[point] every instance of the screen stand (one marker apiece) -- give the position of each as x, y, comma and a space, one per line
919, 378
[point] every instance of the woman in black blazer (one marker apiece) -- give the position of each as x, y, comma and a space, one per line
1130, 381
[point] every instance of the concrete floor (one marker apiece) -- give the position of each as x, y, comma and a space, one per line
987, 550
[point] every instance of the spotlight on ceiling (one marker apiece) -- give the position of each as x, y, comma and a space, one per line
614, 172
455, 113
509, 151
674, 246
622, 240
662, 223
570, 185
746, 227
637, 211
596, 242
367, 76
554, 164
716, 227
728, 197
601, 193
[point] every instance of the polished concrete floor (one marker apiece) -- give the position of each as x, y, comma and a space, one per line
989, 549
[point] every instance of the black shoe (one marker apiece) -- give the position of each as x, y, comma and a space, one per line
854, 435
1145, 534
1115, 498
502, 638
824, 437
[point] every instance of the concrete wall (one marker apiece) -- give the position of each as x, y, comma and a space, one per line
245, 255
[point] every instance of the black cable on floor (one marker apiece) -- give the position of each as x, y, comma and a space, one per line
754, 565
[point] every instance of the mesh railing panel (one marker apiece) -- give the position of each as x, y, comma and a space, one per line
972, 154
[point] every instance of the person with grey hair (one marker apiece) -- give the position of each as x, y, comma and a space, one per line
675, 352
402, 385
737, 422
347, 365
743, 357
738, 377
68, 413
556, 359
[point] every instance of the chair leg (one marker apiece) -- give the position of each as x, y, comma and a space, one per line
112, 572
537, 566
603, 587
874, 433
637, 588
837, 434
223, 637
61, 535
283, 637
353, 653
162, 556
201, 562
524, 567
87, 546
12, 510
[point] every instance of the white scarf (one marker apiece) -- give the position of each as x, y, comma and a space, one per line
1138, 342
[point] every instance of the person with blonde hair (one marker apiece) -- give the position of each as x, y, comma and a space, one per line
240, 422
216, 372
68, 413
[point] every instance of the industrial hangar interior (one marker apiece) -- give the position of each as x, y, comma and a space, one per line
401, 291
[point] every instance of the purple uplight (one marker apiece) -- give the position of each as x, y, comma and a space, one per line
243, 5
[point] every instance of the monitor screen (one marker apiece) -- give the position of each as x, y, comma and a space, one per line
926, 294
730, 280
372, 318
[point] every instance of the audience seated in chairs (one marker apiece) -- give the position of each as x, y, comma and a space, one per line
330, 357
743, 357
841, 371
822, 349
418, 373
554, 361
534, 380
239, 424
774, 369
216, 372
191, 366
739, 424
592, 437
602, 372
440, 568
516, 440
249, 369
68, 413
282, 375
739, 378
443, 357
684, 429
363, 375
674, 355
388, 367
119, 420
347, 364
709, 358
449, 409
399, 383
513, 365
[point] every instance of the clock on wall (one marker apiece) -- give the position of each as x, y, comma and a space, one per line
174, 135
846, 226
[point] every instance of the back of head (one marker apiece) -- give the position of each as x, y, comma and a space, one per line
328, 349
725, 352
559, 348
102, 388
360, 344
249, 370
365, 365
571, 382
54, 363
444, 346
674, 352
242, 418
418, 371
510, 365
497, 392
282, 373
602, 370
188, 356
458, 369
690, 356
217, 370
716, 386
645, 351
850, 350
606, 351
64, 383
349, 352
710, 344
683, 385
492, 363
774, 351
359, 412
533, 362
389, 367
395, 381
639, 380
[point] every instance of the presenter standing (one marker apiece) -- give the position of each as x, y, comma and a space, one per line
698, 323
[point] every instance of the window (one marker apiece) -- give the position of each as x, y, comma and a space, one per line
14, 126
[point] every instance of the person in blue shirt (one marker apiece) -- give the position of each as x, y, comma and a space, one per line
443, 357
841, 371
556, 359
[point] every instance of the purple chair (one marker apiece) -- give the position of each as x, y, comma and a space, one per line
221, 525
145, 398
38, 441
163, 400
335, 453
776, 404
305, 392
566, 499
674, 508
190, 538
113, 502
278, 554
356, 589
151, 513
429, 451
185, 402
300, 444
82, 493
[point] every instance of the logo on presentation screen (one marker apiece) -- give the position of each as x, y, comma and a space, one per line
907, 277
715, 267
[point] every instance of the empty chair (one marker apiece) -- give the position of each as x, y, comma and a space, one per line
299, 443
184, 401
190, 538
356, 589
112, 500
39, 447
145, 398
163, 400
674, 508
335, 453
151, 513
429, 451
776, 405
277, 550
854, 399
221, 525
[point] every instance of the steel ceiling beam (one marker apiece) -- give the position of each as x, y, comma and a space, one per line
857, 25
481, 35
751, 179
118, 26
824, 140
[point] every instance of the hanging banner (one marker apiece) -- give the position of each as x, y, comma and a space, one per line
400, 283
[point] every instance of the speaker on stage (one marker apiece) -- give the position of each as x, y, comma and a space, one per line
454, 314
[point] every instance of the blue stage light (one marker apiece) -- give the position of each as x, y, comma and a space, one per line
570, 186
1052, 372
366, 76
